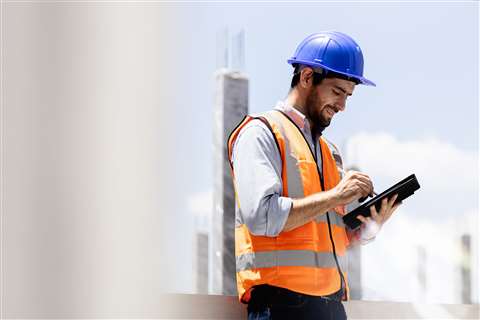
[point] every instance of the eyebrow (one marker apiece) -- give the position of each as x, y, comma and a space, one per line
343, 90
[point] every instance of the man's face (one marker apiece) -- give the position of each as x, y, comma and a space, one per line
326, 99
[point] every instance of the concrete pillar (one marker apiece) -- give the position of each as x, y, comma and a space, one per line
421, 271
201, 262
231, 105
355, 272
354, 260
465, 269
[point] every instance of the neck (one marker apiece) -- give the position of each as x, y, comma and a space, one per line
297, 100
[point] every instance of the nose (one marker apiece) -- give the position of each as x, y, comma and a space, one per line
341, 104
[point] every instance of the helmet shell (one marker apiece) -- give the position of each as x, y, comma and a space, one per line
334, 51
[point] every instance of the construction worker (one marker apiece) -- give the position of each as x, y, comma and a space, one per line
291, 190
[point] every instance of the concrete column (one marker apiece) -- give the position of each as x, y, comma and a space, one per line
421, 271
355, 272
201, 262
354, 259
231, 105
465, 269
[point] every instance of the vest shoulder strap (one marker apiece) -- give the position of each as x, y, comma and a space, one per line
236, 131
285, 124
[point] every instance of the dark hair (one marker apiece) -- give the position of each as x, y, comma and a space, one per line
317, 77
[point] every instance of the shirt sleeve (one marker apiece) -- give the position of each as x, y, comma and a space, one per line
257, 167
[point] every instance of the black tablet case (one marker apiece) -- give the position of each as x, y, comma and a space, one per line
404, 189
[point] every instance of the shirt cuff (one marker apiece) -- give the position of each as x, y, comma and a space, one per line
277, 215
369, 232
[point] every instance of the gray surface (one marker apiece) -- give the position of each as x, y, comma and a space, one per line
225, 307
202, 254
354, 255
231, 105
404, 310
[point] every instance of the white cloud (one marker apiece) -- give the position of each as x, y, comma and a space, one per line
437, 163
448, 175
445, 207
395, 255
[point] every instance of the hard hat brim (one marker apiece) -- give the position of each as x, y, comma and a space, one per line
361, 80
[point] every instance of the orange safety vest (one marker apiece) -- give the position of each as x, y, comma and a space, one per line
310, 259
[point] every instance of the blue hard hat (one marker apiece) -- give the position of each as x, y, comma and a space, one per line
333, 51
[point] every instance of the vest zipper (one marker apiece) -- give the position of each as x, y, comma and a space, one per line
343, 285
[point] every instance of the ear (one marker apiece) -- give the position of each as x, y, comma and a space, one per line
306, 78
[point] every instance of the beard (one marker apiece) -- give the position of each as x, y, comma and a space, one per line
313, 113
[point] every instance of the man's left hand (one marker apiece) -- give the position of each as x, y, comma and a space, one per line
372, 224
386, 211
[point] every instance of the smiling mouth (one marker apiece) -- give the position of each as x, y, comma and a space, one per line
330, 111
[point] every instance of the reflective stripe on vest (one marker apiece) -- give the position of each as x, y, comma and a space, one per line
288, 258
301, 259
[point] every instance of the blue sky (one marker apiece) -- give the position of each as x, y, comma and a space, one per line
423, 57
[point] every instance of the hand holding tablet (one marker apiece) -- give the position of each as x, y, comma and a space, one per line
402, 189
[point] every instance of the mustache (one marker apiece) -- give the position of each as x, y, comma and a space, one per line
333, 107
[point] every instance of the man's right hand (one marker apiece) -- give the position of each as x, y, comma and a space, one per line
353, 186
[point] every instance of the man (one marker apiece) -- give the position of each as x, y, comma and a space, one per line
291, 190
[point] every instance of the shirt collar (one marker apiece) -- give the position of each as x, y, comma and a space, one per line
297, 117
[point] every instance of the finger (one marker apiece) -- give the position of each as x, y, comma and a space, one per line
359, 174
359, 192
366, 180
373, 212
376, 217
355, 175
391, 201
355, 172
365, 188
384, 208
395, 207
392, 210
387, 215
362, 218
365, 221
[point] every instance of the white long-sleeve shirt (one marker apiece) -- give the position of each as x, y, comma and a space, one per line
258, 167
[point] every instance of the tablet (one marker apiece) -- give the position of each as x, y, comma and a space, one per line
404, 189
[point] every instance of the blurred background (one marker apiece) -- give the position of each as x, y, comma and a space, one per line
115, 116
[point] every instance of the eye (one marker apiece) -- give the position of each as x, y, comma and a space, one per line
337, 93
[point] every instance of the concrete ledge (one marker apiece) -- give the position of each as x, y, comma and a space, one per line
404, 310
188, 306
